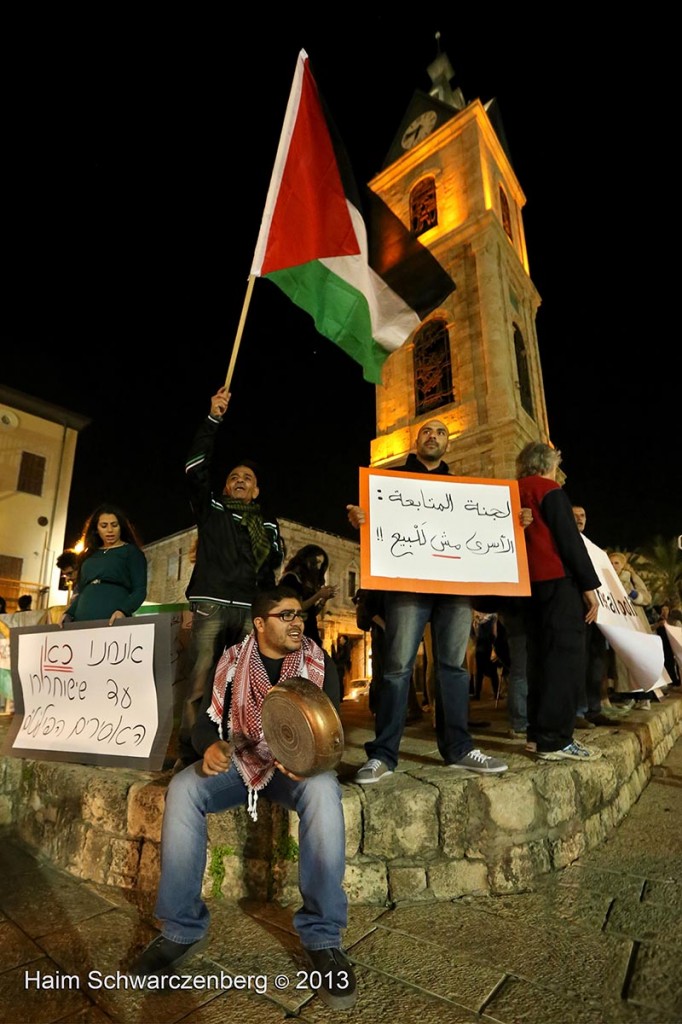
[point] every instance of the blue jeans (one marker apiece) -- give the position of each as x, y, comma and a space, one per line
317, 801
406, 618
214, 627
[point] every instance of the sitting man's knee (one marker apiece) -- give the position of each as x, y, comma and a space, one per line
185, 783
320, 788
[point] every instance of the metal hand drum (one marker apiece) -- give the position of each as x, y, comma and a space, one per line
302, 728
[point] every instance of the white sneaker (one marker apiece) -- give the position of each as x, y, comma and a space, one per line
573, 752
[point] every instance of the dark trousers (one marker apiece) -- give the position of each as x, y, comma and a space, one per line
555, 635
595, 668
214, 627
485, 666
668, 657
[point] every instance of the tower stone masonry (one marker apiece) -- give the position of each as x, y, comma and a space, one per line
448, 167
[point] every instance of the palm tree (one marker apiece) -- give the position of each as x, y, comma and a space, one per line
660, 564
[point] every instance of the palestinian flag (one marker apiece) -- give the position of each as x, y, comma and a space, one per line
367, 294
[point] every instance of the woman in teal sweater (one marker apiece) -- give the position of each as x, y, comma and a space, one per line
112, 578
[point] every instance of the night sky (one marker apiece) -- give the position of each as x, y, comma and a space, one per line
137, 158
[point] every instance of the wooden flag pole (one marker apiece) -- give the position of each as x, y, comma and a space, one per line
240, 330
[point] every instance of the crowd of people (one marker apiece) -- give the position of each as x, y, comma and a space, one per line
255, 621
545, 650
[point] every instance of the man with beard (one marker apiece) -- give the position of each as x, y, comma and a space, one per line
237, 767
406, 618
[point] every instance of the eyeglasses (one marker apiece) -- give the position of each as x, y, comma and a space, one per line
288, 615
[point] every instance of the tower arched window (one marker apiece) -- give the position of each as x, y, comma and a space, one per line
423, 206
432, 367
523, 371
506, 215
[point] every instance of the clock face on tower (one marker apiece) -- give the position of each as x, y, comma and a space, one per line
418, 129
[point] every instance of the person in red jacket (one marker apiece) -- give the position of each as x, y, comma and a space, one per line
563, 599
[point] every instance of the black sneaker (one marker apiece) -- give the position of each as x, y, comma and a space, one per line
332, 978
162, 956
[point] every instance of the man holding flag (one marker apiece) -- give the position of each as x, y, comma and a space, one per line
238, 551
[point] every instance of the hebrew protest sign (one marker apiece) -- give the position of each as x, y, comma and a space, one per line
93, 693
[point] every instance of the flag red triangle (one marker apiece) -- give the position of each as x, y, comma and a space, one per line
311, 218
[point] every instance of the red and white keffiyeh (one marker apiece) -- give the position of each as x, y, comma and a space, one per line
242, 666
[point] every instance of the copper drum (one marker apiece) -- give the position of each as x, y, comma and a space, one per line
302, 727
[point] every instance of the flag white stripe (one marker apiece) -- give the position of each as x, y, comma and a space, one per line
391, 318
280, 163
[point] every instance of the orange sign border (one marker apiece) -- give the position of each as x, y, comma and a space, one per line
420, 586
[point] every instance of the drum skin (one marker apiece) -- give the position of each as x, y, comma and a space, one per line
302, 727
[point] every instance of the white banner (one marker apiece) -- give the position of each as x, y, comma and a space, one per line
640, 650
88, 690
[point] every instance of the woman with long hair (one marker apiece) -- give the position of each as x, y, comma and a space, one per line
305, 574
112, 574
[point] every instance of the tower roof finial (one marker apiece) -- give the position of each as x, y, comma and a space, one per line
441, 72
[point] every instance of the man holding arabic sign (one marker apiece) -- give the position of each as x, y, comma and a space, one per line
406, 617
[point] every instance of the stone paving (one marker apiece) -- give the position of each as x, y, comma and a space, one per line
597, 943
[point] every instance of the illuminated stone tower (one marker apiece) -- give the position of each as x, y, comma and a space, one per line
474, 363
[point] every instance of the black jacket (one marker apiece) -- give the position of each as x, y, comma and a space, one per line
225, 569
415, 465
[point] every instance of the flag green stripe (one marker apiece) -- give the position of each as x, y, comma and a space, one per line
340, 312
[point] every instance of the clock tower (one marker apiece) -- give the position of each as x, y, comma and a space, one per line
474, 362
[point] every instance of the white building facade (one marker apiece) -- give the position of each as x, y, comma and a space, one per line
37, 452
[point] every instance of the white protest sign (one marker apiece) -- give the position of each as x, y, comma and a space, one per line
442, 534
640, 649
88, 690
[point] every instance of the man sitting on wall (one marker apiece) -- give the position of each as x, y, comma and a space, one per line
237, 767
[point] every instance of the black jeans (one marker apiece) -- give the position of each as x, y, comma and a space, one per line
595, 667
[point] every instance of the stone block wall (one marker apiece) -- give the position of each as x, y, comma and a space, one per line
428, 833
